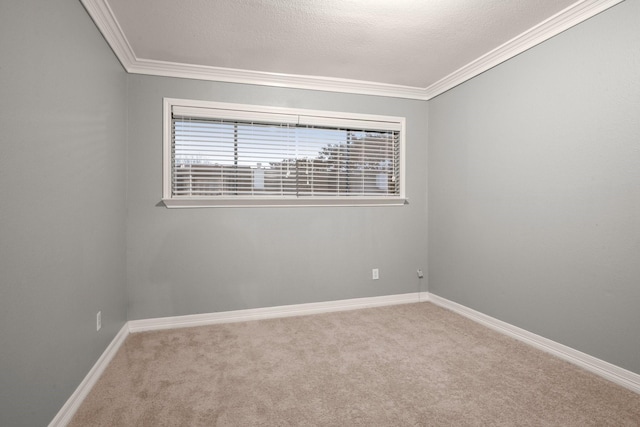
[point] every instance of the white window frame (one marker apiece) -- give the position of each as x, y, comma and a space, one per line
258, 112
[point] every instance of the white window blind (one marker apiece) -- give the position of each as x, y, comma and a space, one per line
239, 155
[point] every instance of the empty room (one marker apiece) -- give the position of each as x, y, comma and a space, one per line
359, 212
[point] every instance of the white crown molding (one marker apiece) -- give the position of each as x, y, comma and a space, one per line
562, 21
68, 410
613, 373
105, 20
230, 75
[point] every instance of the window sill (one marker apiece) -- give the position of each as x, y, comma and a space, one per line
281, 202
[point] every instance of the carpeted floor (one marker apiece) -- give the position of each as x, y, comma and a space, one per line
403, 365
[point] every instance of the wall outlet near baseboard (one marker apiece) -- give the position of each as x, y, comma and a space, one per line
375, 274
98, 321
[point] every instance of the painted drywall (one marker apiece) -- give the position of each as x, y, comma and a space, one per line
62, 209
188, 261
534, 189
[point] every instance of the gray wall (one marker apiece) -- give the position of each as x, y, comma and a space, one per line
62, 204
534, 189
186, 261
534, 202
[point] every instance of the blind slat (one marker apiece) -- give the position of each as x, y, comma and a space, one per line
227, 153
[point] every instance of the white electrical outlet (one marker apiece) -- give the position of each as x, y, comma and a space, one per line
98, 320
375, 274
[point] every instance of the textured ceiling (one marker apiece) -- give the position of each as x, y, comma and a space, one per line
411, 43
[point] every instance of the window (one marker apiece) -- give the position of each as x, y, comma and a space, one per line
219, 154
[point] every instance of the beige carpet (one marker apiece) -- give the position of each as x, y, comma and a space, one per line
404, 365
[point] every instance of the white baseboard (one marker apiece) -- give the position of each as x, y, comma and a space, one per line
613, 373
72, 404
599, 367
272, 312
